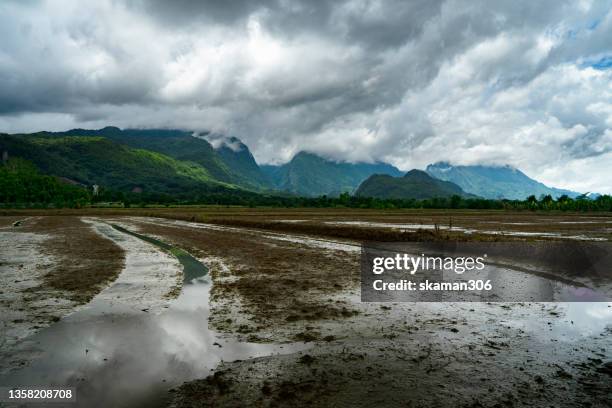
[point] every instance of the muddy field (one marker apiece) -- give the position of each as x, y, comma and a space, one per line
291, 278
364, 224
49, 266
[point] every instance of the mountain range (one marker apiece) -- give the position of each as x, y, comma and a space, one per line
186, 164
310, 175
494, 182
233, 165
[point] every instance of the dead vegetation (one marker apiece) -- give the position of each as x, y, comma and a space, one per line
48, 266
85, 262
354, 232
278, 282
488, 224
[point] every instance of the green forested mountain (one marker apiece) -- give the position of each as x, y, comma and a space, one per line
415, 184
58, 170
92, 160
494, 182
222, 164
21, 182
238, 158
311, 175
180, 166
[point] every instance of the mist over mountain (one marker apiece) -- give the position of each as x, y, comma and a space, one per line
311, 175
238, 158
406, 82
180, 162
415, 184
494, 182
232, 165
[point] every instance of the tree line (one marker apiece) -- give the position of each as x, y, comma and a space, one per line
21, 185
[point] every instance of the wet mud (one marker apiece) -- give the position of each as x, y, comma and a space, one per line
278, 321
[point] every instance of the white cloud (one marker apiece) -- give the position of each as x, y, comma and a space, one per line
407, 82
559, 119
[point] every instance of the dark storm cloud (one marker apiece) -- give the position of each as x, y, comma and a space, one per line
187, 12
51, 80
409, 82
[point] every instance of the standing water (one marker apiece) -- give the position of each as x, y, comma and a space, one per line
113, 355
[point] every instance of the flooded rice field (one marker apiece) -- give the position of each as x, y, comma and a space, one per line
225, 309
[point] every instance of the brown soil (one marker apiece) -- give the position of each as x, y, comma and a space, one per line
365, 354
593, 224
397, 355
353, 232
56, 264
392, 374
85, 263
9, 221
279, 283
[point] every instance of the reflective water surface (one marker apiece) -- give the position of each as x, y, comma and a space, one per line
115, 356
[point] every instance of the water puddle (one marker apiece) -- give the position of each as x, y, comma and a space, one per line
557, 235
576, 320
415, 227
402, 226
192, 268
115, 356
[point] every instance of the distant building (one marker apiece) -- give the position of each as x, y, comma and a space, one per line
4, 156
137, 190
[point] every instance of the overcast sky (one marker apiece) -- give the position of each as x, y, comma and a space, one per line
523, 83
